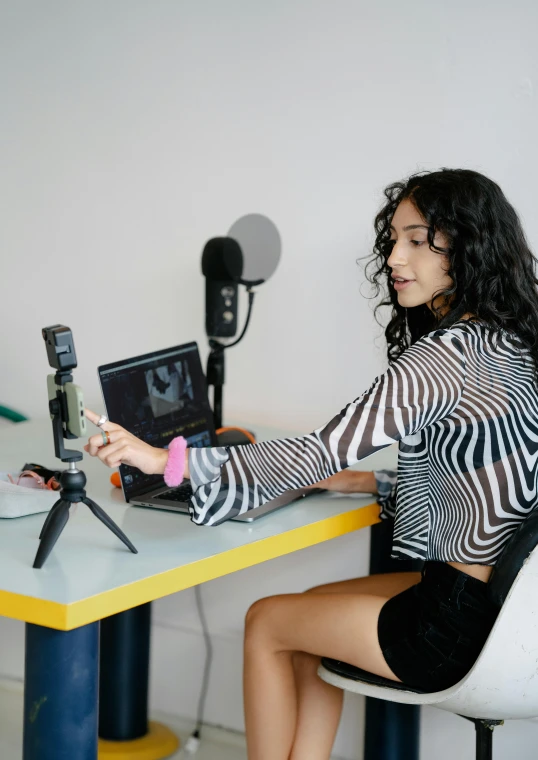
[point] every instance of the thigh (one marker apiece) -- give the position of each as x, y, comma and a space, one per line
383, 584
342, 626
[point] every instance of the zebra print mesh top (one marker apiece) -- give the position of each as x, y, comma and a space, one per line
463, 406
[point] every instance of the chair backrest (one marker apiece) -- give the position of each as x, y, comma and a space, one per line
503, 683
517, 550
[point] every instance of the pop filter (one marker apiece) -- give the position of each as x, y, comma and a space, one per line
248, 256
259, 240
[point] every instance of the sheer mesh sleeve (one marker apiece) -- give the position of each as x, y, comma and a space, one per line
422, 386
387, 486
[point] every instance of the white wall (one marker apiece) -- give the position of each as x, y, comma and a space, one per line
132, 132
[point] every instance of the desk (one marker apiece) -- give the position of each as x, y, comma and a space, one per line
90, 575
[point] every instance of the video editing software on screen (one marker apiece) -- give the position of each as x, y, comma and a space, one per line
158, 397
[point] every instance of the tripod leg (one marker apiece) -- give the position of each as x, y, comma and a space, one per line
109, 522
59, 516
46, 523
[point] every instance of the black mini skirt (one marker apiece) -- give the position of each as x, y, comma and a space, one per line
432, 633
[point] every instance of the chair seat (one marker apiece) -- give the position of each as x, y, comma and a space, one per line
357, 674
502, 683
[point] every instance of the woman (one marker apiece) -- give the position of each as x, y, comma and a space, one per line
460, 396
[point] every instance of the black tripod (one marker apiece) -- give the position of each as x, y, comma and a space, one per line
72, 480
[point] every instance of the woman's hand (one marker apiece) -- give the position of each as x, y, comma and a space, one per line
349, 481
124, 448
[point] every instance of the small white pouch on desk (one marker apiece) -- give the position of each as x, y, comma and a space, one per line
18, 501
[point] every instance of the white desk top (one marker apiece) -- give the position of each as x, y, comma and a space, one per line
90, 574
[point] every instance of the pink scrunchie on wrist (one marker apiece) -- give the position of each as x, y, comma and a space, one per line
175, 467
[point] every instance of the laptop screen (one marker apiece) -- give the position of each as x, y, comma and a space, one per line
157, 397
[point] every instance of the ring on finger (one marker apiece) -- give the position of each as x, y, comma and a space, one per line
101, 421
106, 437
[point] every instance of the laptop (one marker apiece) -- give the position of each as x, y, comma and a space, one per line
156, 397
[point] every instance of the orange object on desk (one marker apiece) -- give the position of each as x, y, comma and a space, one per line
246, 433
115, 479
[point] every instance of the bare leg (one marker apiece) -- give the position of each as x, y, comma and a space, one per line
289, 711
319, 707
319, 703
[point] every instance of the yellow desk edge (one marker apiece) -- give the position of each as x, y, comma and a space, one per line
65, 617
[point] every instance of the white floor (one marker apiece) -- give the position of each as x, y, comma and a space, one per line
216, 743
516, 739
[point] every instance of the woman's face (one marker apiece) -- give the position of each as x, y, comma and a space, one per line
414, 260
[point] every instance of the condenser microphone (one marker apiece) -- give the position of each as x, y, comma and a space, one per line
248, 256
222, 266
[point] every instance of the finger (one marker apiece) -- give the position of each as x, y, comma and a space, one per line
107, 453
94, 418
94, 444
98, 441
113, 455
92, 447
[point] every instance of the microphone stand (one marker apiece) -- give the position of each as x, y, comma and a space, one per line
216, 377
216, 364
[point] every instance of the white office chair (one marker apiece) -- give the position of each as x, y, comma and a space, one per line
503, 682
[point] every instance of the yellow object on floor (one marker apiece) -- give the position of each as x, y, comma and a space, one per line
159, 742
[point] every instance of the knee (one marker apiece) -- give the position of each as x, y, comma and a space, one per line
257, 617
305, 664
318, 589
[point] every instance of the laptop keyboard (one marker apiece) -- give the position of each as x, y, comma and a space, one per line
181, 493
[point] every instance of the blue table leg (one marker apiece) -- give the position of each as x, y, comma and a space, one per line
124, 674
391, 730
124, 728
61, 693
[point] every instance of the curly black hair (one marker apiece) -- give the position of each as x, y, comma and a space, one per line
489, 261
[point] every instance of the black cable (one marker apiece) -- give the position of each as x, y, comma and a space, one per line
207, 666
215, 344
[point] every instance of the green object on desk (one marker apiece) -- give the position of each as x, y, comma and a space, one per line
11, 414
